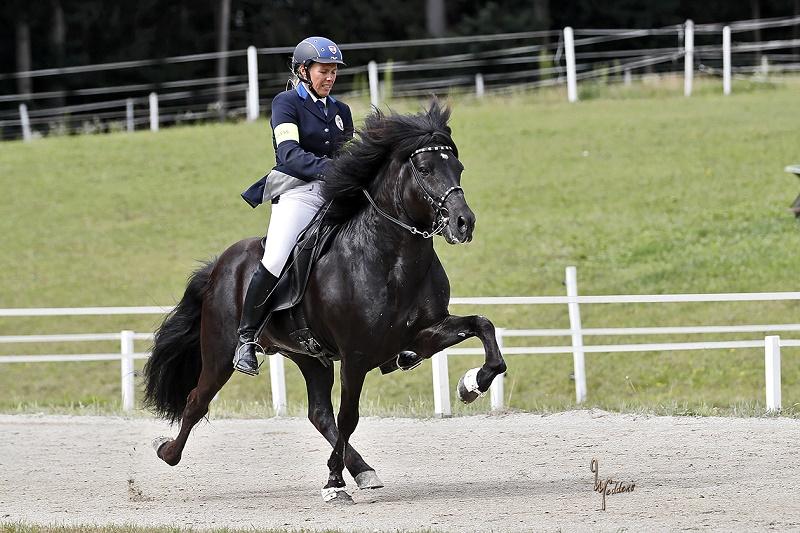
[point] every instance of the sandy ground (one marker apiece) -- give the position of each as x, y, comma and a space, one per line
514, 472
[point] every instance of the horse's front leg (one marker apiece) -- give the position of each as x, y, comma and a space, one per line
454, 329
352, 381
319, 382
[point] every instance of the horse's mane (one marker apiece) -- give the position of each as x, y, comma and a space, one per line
383, 138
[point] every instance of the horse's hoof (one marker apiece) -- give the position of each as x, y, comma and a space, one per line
159, 443
467, 388
463, 394
368, 479
336, 496
159, 446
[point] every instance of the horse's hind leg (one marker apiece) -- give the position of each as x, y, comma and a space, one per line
217, 369
319, 383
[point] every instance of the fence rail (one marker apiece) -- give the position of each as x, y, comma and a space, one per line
551, 58
441, 387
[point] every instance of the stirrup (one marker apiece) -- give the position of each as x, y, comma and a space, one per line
239, 358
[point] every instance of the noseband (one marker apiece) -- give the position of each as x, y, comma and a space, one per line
442, 215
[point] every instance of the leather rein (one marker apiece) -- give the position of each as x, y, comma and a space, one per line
442, 214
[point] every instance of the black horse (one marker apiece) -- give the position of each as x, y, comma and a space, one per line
379, 291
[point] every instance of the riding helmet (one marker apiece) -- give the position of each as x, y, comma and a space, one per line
316, 50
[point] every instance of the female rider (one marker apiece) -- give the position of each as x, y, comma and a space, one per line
308, 127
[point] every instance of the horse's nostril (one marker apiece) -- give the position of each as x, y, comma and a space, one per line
462, 225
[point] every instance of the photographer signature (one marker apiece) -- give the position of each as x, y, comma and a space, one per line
608, 486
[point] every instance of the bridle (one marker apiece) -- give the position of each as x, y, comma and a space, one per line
442, 217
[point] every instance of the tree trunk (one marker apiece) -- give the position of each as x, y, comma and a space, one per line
541, 14
541, 21
796, 27
755, 13
23, 44
58, 39
223, 33
435, 17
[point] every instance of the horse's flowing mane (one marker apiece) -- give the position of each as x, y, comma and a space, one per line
384, 138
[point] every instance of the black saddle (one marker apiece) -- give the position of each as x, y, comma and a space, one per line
312, 243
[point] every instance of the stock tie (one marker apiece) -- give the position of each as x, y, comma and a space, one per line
322, 107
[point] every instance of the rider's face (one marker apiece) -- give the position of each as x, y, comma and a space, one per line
322, 76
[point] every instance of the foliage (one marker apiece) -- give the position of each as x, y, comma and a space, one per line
99, 31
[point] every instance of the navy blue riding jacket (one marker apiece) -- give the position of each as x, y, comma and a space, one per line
304, 138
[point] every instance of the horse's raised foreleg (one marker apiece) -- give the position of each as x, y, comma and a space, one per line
352, 381
319, 383
454, 329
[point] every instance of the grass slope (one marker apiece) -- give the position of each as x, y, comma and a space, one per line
643, 192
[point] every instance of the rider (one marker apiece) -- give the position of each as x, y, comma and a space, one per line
308, 127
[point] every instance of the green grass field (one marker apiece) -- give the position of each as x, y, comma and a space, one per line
643, 190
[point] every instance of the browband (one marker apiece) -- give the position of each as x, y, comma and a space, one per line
431, 149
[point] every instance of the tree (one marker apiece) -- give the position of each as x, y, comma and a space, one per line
58, 40
23, 51
223, 38
435, 18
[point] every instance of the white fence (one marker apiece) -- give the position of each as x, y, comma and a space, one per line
545, 58
441, 386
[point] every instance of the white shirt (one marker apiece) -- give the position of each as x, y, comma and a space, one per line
314, 98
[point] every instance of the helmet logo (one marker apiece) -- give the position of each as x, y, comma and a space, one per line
332, 49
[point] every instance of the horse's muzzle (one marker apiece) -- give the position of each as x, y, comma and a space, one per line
460, 225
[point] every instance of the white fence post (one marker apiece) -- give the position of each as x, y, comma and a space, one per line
441, 385
479, 89
726, 60
577, 336
126, 369
497, 389
153, 112
764, 70
688, 65
252, 83
569, 51
374, 96
129, 125
277, 378
772, 369
25, 122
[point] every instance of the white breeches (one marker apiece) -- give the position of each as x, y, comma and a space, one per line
292, 213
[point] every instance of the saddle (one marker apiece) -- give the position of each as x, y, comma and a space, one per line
312, 243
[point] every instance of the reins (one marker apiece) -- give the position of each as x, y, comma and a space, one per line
442, 215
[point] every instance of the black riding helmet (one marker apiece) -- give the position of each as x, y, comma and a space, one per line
314, 50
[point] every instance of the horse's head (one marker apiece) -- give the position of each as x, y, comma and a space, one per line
432, 193
407, 167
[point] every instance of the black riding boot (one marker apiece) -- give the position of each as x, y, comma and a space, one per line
254, 311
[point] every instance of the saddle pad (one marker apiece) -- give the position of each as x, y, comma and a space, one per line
312, 243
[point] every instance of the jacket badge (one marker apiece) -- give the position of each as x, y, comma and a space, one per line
339, 123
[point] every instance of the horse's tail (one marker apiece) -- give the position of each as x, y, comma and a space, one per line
173, 369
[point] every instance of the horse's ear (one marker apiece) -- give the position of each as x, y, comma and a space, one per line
439, 113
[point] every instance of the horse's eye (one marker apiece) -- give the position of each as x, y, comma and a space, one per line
424, 171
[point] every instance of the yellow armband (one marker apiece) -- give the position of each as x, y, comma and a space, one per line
286, 132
